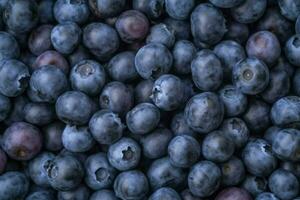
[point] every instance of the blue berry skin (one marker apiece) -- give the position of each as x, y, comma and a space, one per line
99, 173
226, 3
9, 47
101, 39
121, 67
208, 24
106, 8
204, 112
37, 168
14, 76
71, 11
143, 91
162, 173
293, 167
207, 70
45, 8
289, 8
235, 102
5, 107
250, 76
237, 130
217, 147
131, 185
79, 54
286, 111
204, 178
296, 82
165, 193
184, 151
238, 32
271, 133
39, 113
47, 83
41, 195
116, 97
161, 33
77, 138
88, 76
229, 52
292, 50
266, 196
297, 25
103, 195
255, 185
143, 118
17, 112
125, 154
64, 172
181, 28
106, 127
167, 92
66, 37
265, 46
179, 9
233, 193
187, 195
288, 152
184, 52
27, 10
180, 127
249, 11
259, 158
284, 184
3, 161
52, 136
80, 193
39, 39
153, 60
14, 185
74, 107
233, 172
257, 116
155, 144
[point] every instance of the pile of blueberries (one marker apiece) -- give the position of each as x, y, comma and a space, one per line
150, 100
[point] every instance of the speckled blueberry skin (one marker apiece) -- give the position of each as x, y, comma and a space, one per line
39, 40
233, 171
234, 193
165, 193
9, 47
161, 33
106, 8
153, 60
104, 195
284, 184
289, 8
292, 50
204, 178
39, 113
47, 83
255, 185
266, 196
5, 107
207, 23
73, 11
15, 185
237, 32
88, 76
249, 11
162, 173
101, 39
226, 3
179, 9
207, 71
82, 192
99, 173
204, 112
250, 76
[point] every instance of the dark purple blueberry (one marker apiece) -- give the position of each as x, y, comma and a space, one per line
79, 54
106, 8
5, 107
238, 32
17, 112
45, 8
143, 91
234, 193
3, 161
39, 40
233, 171
181, 28
39, 113
52, 136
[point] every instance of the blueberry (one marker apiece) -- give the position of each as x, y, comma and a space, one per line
180, 127
125, 154
80, 193
52, 136
187, 195
14, 185
64, 173
131, 185
73, 11
271, 133
167, 92
250, 76
296, 82
17, 112
165, 193
28, 59
181, 28
45, 8
249, 11
3, 161
204, 178
286, 152
179, 9
39, 40
204, 112
292, 50
161, 33
101, 39
233, 193
143, 90
66, 37
116, 97
132, 26
233, 172
106, 127
238, 32
9, 46
77, 139
103, 195
259, 158
153, 60
106, 8
255, 185
88, 76
162, 173
21, 141
39, 113
74, 107
293, 167
99, 173
184, 151
207, 71
153, 8
266, 196
79, 54
226, 3
284, 184
289, 8
41, 195
5, 107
